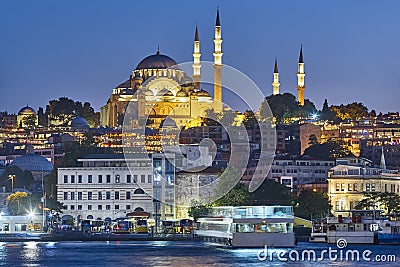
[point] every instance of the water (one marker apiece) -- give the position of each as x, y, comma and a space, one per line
166, 253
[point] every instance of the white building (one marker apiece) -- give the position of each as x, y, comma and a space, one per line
105, 187
300, 170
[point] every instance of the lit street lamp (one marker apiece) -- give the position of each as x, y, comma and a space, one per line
11, 177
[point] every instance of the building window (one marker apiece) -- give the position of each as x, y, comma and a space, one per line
128, 194
65, 179
129, 179
108, 178
355, 187
128, 207
117, 179
116, 195
90, 179
108, 207
65, 195
149, 179
79, 207
72, 207
108, 195
79, 195
100, 207
349, 187
116, 207
143, 178
89, 207
367, 187
79, 179
373, 188
72, 179
100, 179
100, 196
337, 187
72, 195
135, 178
337, 205
342, 187
89, 195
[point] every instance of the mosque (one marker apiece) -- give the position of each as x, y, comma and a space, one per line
158, 88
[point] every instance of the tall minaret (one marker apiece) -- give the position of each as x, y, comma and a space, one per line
276, 83
218, 62
196, 60
300, 79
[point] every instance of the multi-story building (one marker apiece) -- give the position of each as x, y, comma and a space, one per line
106, 186
347, 184
294, 171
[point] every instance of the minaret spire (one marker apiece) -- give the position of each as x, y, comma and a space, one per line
196, 59
300, 78
158, 50
382, 164
218, 63
276, 83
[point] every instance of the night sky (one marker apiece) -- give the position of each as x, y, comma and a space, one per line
83, 49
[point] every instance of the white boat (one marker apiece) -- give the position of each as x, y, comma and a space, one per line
355, 226
249, 226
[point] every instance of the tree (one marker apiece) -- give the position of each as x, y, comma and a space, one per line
14, 201
249, 119
388, 201
197, 209
237, 196
273, 193
328, 150
22, 179
312, 139
353, 111
29, 121
42, 117
326, 113
312, 205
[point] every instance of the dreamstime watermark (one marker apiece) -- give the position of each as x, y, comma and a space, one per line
341, 254
167, 95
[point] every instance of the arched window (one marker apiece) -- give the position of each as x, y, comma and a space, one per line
89, 217
138, 191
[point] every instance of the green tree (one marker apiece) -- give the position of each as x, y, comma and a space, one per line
249, 119
328, 150
353, 111
22, 179
312, 139
15, 200
388, 201
273, 193
197, 209
237, 196
29, 121
312, 205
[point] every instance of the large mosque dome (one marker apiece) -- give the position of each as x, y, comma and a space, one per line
32, 162
26, 111
157, 61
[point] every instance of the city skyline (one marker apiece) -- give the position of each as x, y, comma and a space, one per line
83, 51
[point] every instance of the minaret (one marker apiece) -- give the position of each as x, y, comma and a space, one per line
382, 164
196, 60
300, 79
218, 63
276, 83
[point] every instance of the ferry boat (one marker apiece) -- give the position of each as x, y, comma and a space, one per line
355, 226
389, 231
248, 226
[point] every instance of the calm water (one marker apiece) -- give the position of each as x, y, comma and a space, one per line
180, 254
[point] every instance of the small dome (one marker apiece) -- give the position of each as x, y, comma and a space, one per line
156, 61
32, 162
168, 123
181, 93
165, 92
203, 93
148, 93
27, 111
80, 123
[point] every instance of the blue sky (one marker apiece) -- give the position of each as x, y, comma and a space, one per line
82, 49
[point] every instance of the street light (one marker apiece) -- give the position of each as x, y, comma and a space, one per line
11, 177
